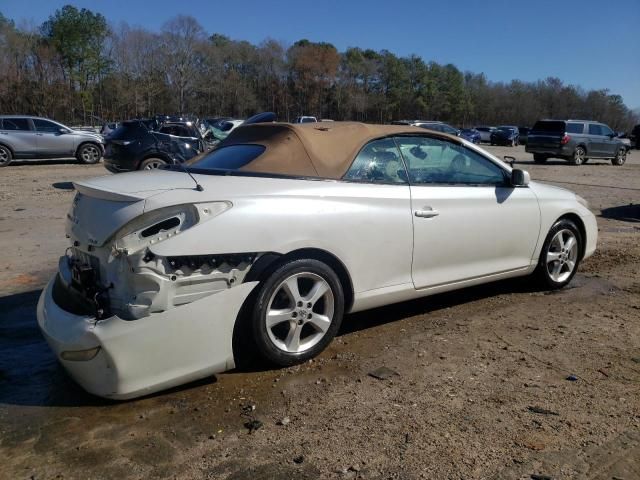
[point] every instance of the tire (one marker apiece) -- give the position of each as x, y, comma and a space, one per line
5, 156
559, 261
579, 155
288, 337
539, 158
620, 158
89, 153
152, 163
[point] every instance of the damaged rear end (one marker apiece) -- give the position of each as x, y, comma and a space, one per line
126, 321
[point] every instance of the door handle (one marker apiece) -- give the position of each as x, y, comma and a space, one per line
428, 212
39, 134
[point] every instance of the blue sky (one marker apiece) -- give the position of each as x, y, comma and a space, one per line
594, 44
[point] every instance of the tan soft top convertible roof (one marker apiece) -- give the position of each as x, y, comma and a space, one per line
323, 149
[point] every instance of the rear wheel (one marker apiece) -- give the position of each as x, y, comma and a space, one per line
5, 156
539, 158
560, 255
152, 163
297, 312
579, 155
89, 153
620, 158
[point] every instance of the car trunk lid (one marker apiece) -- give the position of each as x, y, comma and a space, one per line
103, 205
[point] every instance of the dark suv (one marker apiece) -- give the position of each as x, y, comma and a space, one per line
134, 145
576, 141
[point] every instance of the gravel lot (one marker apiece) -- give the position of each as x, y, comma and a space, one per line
481, 389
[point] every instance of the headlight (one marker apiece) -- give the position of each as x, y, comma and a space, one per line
582, 201
159, 225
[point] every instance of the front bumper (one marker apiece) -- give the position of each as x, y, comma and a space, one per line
139, 357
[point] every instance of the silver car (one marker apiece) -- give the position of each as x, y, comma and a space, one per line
34, 137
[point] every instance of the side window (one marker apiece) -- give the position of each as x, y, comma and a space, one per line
378, 162
605, 130
575, 128
595, 129
15, 124
437, 161
45, 126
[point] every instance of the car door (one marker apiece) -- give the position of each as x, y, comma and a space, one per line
53, 139
597, 141
19, 135
468, 221
379, 192
610, 142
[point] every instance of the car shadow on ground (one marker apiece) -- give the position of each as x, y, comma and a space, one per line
63, 185
30, 375
625, 213
43, 161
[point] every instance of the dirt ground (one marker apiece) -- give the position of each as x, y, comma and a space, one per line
480, 389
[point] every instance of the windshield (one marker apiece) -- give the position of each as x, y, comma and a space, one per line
506, 129
232, 157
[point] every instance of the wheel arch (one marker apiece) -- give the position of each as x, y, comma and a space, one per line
575, 218
89, 142
13, 154
584, 147
268, 262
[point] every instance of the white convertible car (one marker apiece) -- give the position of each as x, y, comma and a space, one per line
263, 245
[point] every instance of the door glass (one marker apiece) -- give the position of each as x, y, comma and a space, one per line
595, 129
16, 124
46, 126
605, 130
436, 161
575, 127
378, 162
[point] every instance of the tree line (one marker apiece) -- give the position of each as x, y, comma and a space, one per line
76, 67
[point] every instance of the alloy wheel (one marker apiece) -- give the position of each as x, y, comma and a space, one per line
578, 156
90, 154
153, 165
621, 157
300, 312
562, 255
4, 156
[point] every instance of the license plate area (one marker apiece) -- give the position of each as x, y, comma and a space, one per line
83, 277
85, 272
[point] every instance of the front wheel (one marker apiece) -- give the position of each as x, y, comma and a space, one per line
89, 153
297, 312
560, 255
620, 158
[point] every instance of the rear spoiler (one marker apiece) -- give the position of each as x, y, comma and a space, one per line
103, 194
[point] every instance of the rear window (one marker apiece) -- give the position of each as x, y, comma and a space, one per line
15, 124
549, 126
575, 127
232, 157
128, 130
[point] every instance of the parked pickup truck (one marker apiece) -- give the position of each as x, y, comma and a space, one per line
576, 141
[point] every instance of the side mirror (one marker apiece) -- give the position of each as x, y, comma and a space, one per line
520, 178
63, 130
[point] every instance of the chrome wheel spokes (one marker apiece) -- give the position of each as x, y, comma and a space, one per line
562, 255
90, 154
300, 312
